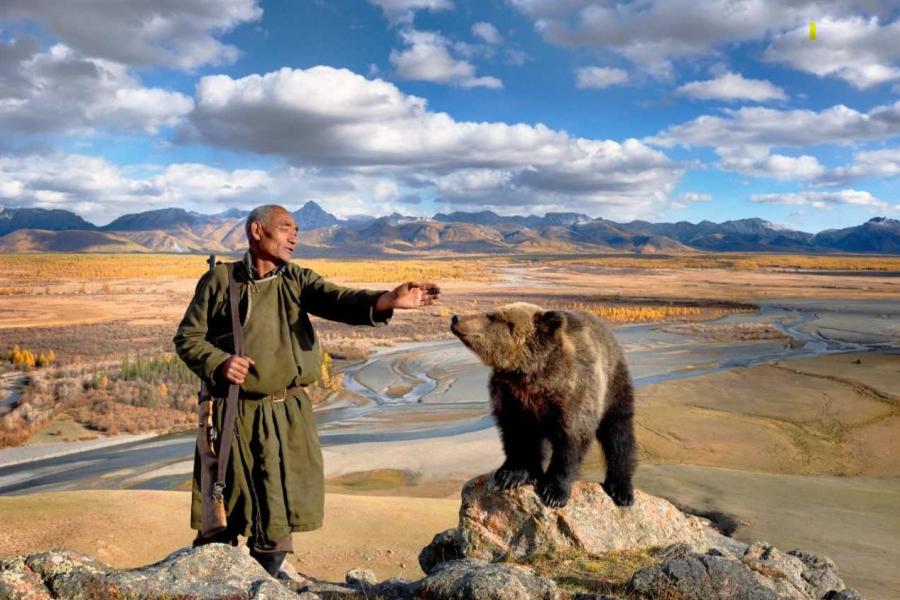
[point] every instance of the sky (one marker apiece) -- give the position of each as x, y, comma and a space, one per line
663, 110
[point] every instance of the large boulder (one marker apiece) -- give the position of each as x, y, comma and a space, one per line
478, 580
210, 572
762, 573
515, 525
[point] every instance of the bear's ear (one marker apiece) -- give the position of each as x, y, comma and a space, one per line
550, 321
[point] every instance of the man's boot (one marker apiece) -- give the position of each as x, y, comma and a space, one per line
270, 561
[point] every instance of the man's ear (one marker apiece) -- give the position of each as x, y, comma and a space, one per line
550, 321
256, 230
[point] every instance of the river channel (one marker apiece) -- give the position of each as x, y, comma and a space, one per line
425, 390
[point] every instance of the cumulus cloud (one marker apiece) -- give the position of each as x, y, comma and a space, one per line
856, 49
732, 86
404, 11
758, 126
599, 77
61, 91
823, 199
654, 33
759, 162
486, 33
100, 191
870, 163
179, 34
330, 117
427, 58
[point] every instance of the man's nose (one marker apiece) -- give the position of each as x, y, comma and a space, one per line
454, 320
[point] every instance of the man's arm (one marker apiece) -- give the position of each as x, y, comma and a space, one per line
201, 356
335, 303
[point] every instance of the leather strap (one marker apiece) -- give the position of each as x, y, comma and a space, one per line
234, 297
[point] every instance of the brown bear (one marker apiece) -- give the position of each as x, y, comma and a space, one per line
560, 377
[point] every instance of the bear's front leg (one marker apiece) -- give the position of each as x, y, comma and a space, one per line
555, 486
523, 448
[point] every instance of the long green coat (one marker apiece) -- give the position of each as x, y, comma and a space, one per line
275, 479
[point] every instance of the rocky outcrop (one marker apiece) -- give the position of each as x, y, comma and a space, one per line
211, 572
761, 573
614, 550
515, 525
478, 580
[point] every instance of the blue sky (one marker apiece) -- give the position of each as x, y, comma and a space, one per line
658, 110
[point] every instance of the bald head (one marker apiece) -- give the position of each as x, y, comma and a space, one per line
263, 215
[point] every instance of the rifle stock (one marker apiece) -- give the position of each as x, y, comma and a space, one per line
212, 507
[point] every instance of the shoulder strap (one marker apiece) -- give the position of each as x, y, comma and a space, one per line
234, 297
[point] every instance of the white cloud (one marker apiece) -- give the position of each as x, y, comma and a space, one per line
487, 33
872, 163
60, 91
758, 126
654, 33
759, 162
100, 191
599, 77
855, 49
823, 199
732, 86
335, 118
427, 58
404, 11
695, 197
179, 34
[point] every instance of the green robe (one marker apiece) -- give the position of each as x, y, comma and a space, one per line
275, 478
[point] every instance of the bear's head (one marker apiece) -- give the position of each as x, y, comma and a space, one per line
513, 337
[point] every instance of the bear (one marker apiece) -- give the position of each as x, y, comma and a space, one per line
559, 379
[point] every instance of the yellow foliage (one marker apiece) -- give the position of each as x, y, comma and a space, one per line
99, 267
741, 262
631, 313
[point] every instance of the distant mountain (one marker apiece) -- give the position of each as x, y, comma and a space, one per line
178, 230
164, 218
40, 240
12, 219
232, 213
879, 234
730, 236
312, 216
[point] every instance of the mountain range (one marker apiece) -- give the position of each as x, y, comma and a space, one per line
178, 230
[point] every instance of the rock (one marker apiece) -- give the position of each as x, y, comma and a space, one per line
700, 577
210, 572
445, 546
845, 594
19, 582
762, 573
469, 579
512, 525
361, 577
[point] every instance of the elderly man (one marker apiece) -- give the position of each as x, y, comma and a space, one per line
275, 479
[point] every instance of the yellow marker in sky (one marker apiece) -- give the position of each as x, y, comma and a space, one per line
812, 30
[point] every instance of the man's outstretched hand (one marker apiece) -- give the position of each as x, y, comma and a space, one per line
409, 295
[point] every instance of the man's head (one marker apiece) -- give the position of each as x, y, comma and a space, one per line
271, 233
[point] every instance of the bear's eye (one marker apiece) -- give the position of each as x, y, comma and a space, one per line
511, 326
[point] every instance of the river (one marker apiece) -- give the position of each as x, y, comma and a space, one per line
438, 389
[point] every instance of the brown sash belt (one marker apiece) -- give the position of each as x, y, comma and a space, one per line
279, 396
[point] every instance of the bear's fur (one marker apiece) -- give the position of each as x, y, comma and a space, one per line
558, 377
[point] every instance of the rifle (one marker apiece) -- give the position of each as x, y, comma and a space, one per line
212, 505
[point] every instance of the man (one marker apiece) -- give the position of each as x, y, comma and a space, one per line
275, 478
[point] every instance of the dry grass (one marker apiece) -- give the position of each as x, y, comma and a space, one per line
38, 269
606, 573
738, 262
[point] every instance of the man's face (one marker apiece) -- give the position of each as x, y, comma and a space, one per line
276, 240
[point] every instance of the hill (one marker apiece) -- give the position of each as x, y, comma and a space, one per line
178, 230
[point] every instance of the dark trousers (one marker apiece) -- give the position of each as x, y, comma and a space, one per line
285, 544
